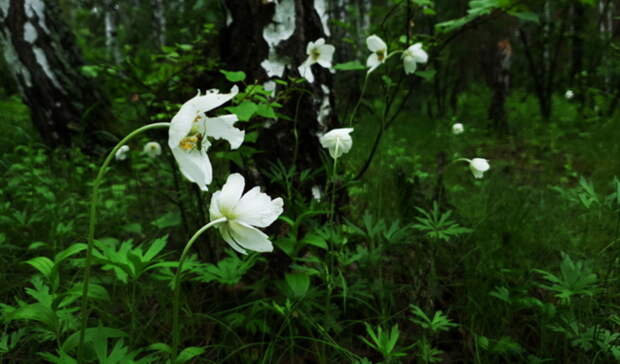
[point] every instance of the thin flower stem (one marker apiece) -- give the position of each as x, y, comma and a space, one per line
177, 285
359, 101
84, 310
333, 191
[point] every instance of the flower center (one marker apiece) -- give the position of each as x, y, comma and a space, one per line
381, 55
315, 54
193, 140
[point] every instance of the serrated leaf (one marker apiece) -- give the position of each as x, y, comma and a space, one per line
72, 250
42, 264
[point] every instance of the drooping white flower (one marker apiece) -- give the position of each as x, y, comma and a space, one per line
478, 166
189, 129
318, 52
337, 141
379, 52
316, 193
244, 213
121, 153
458, 128
569, 94
152, 149
412, 56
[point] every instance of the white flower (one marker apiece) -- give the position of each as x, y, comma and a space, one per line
121, 153
379, 52
478, 166
569, 94
244, 214
318, 52
458, 128
316, 193
152, 149
189, 129
412, 56
337, 141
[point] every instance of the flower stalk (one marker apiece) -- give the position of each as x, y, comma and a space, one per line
177, 285
92, 221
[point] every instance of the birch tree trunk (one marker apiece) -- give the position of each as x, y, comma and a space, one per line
42, 56
111, 30
267, 40
159, 12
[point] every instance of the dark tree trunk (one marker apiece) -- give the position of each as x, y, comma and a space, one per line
578, 19
500, 84
43, 58
267, 40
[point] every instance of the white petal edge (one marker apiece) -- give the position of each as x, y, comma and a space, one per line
195, 166
256, 208
374, 43
249, 237
222, 127
210, 101
231, 192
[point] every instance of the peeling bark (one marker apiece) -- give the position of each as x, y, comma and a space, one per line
267, 40
42, 57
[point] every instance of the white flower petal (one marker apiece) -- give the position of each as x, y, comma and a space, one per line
373, 62
231, 193
211, 100
418, 54
152, 149
181, 124
222, 127
410, 64
326, 54
478, 166
214, 207
194, 165
337, 141
225, 230
258, 209
249, 237
458, 128
375, 43
305, 71
121, 153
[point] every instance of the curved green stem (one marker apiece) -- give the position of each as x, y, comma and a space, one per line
177, 285
84, 311
359, 101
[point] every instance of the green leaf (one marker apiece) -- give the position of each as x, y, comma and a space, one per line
350, 66
70, 251
189, 353
92, 334
315, 240
527, 16
234, 76
244, 111
42, 264
298, 283
266, 111
156, 247
36, 312
428, 75
169, 219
